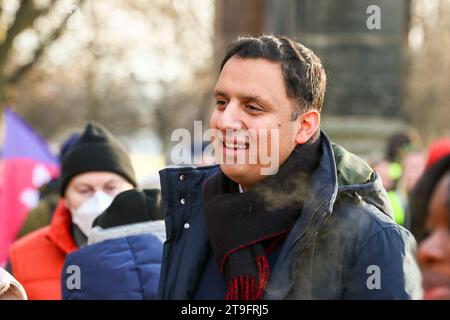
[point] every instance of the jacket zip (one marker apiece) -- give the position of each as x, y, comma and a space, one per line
307, 226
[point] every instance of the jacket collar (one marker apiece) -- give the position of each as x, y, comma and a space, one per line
60, 225
339, 172
317, 208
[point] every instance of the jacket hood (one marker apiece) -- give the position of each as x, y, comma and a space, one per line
156, 228
356, 179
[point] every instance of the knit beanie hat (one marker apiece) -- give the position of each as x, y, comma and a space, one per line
437, 150
96, 150
131, 206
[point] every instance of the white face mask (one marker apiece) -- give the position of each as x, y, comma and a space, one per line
90, 209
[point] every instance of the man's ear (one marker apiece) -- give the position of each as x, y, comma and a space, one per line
309, 123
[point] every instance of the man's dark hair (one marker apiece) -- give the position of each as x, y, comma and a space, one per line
302, 70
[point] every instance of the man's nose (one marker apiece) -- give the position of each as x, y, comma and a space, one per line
231, 117
431, 249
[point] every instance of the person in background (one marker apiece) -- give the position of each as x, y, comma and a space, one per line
413, 166
430, 207
123, 258
94, 170
399, 170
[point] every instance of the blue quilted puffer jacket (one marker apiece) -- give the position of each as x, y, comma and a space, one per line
119, 263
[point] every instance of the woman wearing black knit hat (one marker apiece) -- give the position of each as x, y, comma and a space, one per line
94, 170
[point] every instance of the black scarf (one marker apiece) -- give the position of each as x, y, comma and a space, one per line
241, 225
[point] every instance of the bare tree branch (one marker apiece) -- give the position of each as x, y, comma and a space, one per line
54, 35
25, 16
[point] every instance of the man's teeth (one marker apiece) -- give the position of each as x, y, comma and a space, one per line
235, 146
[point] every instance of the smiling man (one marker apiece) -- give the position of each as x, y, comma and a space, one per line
246, 115
317, 225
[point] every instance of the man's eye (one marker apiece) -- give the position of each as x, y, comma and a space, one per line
111, 188
221, 104
253, 108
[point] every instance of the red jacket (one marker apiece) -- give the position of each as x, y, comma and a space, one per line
37, 259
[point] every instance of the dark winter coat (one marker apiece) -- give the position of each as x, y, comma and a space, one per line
344, 245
